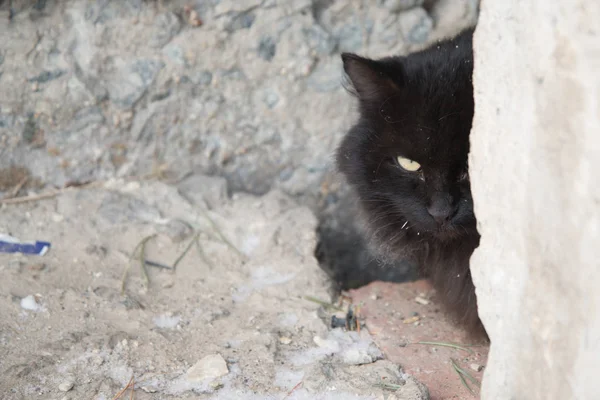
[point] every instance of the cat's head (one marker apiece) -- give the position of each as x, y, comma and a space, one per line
407, 155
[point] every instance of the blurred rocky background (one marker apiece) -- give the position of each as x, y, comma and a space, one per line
248, 90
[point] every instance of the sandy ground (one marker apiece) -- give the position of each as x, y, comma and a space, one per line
222, 325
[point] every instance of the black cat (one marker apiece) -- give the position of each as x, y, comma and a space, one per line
407, 158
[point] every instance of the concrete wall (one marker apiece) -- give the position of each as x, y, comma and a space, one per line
535, 168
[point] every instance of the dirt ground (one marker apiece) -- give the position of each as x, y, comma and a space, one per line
232, 321
206, 126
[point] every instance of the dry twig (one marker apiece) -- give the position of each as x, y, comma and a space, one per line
293, 390
18, 186
129, 384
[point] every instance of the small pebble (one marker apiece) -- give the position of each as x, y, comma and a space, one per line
476, 367
421, 300
65, 386
57, 217
285, 340
30, 303
208, 368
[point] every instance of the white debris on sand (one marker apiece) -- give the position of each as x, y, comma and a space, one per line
207, 369
30, 303
166, 321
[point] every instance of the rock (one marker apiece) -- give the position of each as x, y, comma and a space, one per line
397, 6
29, 129
266, 48
118, 208
208, 368
326, 77
202, 189
270, 99
129, 83
86, 117
166, 26
356, 356
202, 78
416, 25
539, 301
320, 40
47, 76
30, 303
412, 390
476, 367
451, 15
285, 340
351, 35
235, 21
236, 6
175, 54
177, 230
65, 386
91, 83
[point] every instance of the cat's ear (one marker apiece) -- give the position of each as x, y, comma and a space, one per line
369, 78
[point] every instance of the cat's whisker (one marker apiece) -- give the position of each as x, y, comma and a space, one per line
375, 234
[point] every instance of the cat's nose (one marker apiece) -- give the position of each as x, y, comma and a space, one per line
441, 208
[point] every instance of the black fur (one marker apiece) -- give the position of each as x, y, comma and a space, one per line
419, 107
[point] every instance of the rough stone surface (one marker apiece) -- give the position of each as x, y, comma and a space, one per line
534, 166
416, 25
204, 190
247, 90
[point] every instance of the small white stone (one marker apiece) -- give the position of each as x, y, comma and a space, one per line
166, 321
65, 386
476, 367
30, 303
208, 368
57, 217
285, 340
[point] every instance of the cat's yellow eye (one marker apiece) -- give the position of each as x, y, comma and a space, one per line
408, 164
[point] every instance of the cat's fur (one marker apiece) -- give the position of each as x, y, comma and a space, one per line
419, 107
